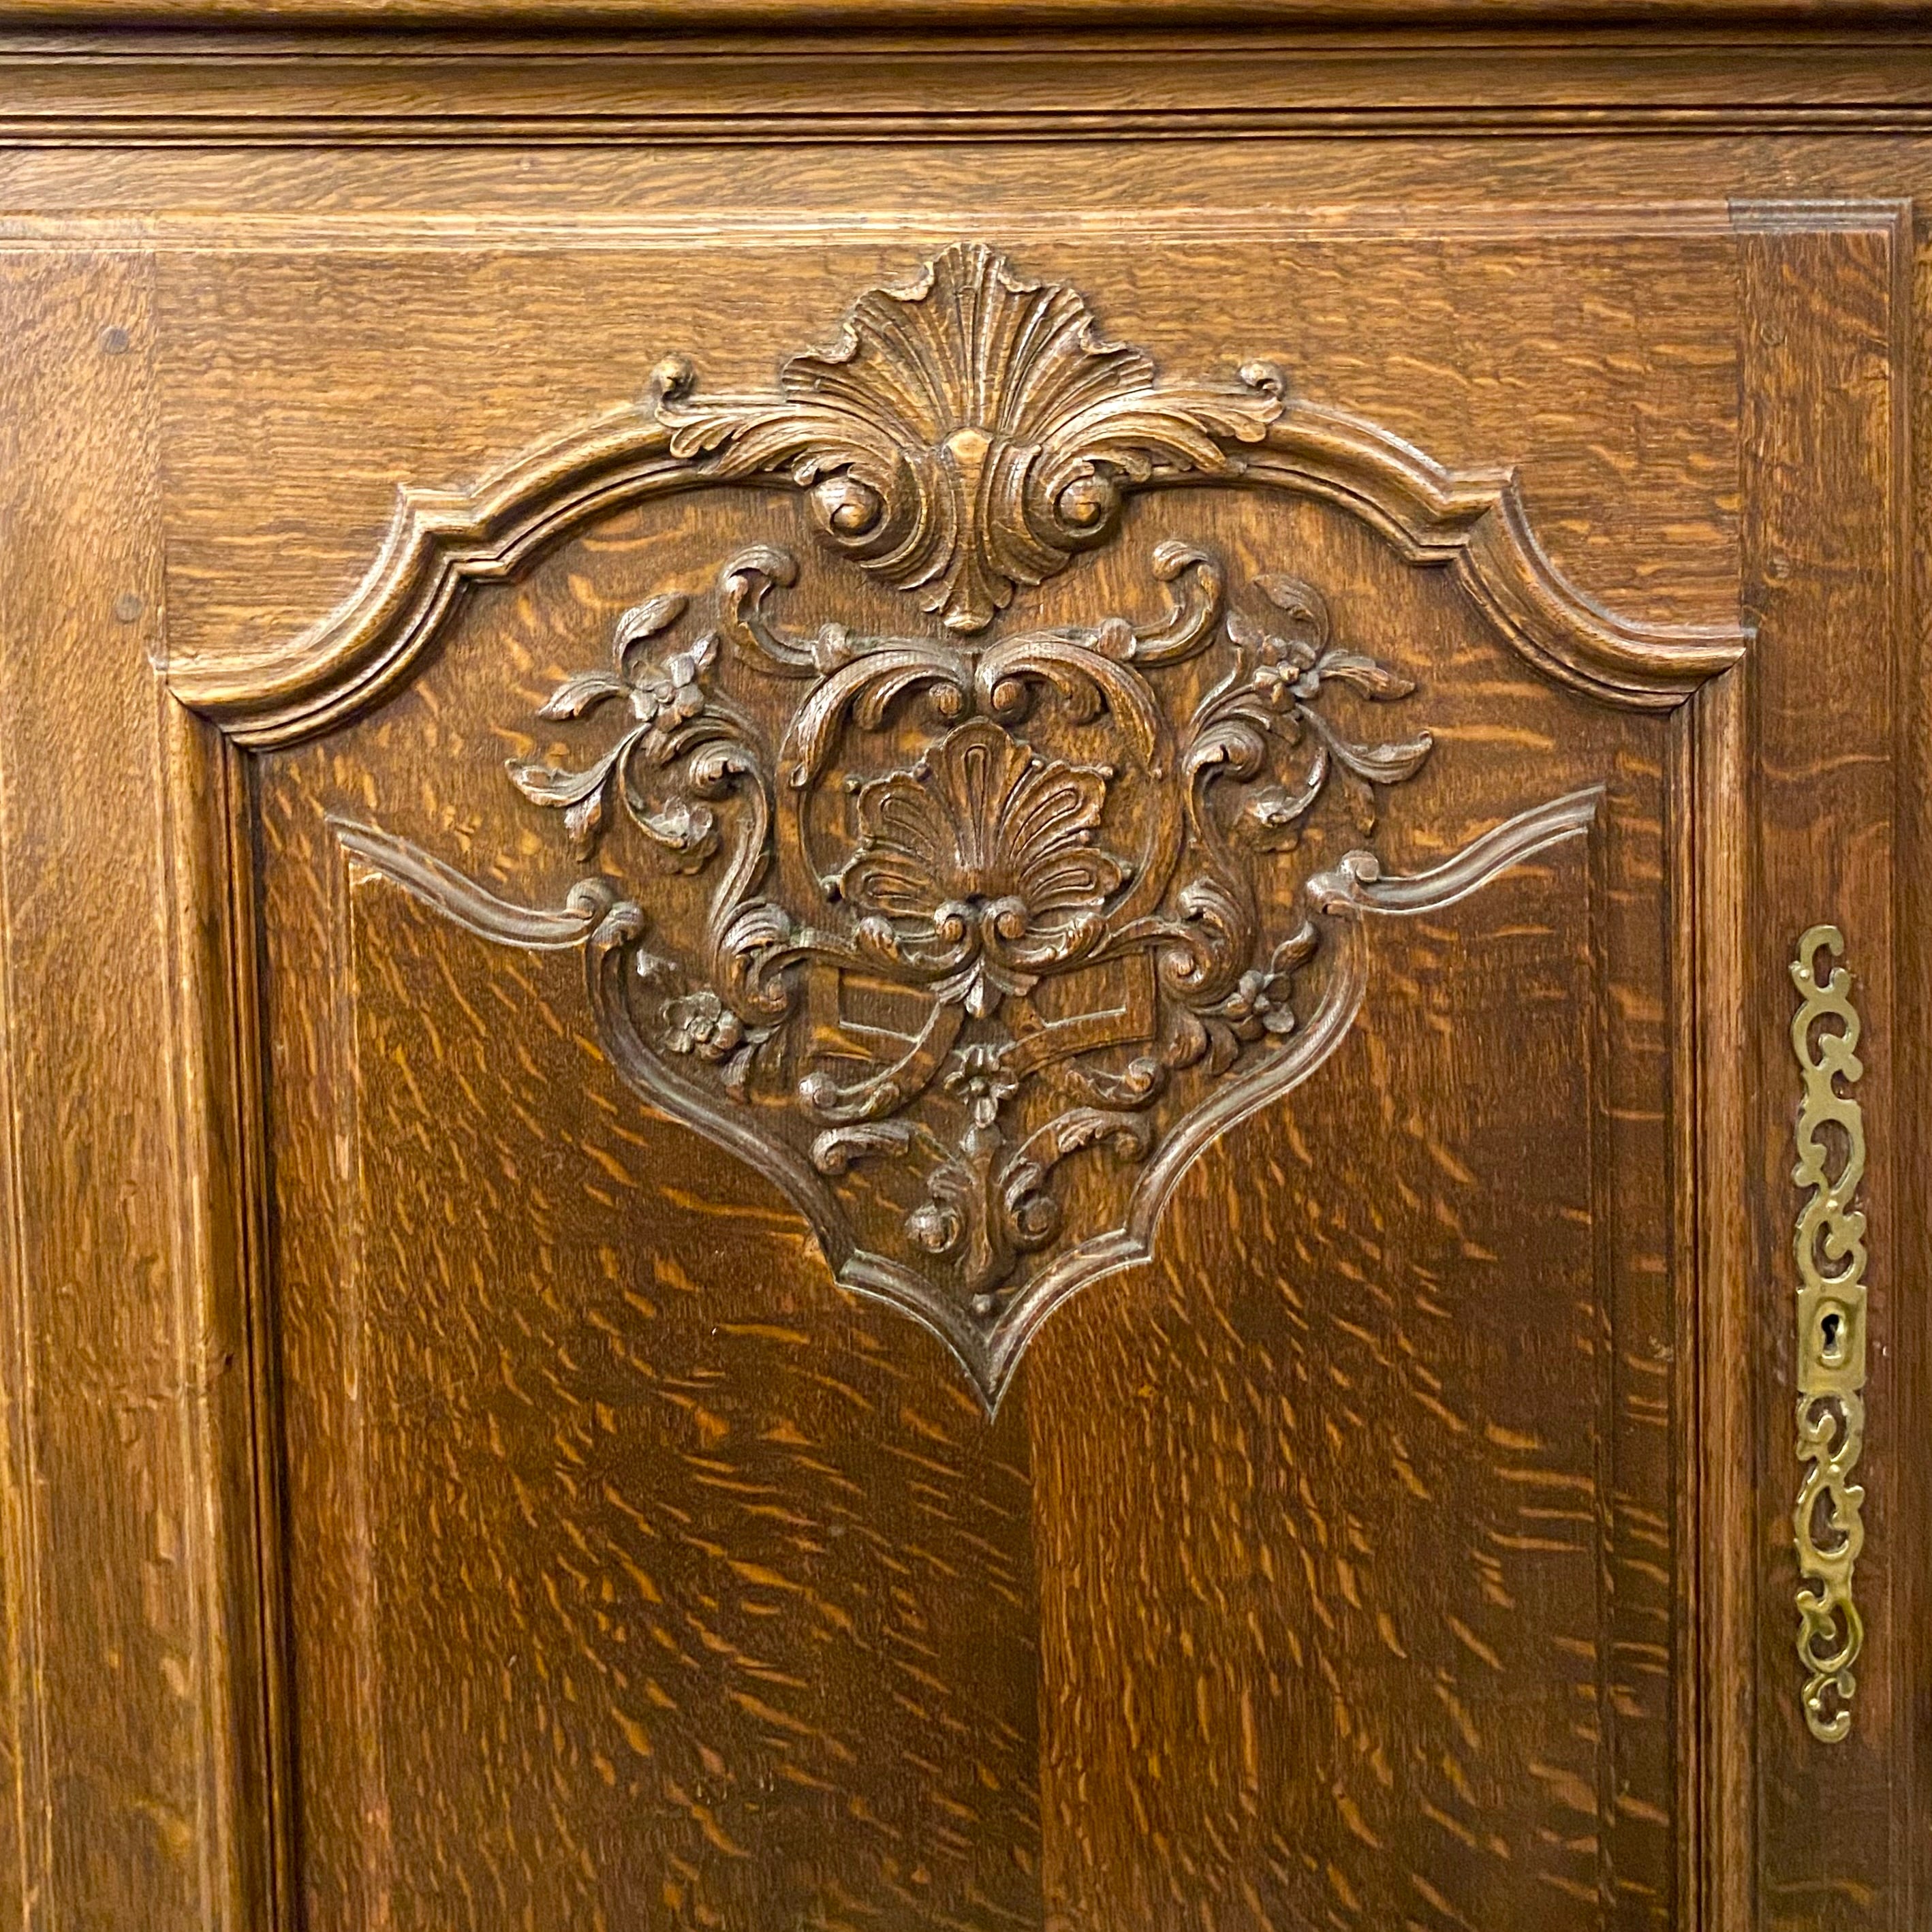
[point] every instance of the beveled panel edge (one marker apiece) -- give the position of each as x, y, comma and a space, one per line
1475, 521
438, 541
1708, 874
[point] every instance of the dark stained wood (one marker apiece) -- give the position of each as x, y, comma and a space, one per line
442, 1489
681, 1536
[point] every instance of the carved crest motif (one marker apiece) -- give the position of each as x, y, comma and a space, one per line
969, 434
972, 941
968, 883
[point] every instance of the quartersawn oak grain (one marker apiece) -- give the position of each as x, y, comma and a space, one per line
1609, 1709
439, 1492
135, 1725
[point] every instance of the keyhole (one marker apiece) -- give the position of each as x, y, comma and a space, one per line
1832, 1326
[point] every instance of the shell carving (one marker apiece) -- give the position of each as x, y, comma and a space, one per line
962, 941
972, 943
987, 846
968, 434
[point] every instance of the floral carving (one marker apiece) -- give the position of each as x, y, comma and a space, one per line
968, 433
972, 940
666, 702
1067, 803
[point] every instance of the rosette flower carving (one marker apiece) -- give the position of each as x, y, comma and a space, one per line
931, 935
968, 434
972, 943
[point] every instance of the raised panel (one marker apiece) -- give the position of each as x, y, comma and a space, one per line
686, 1518
446, 1484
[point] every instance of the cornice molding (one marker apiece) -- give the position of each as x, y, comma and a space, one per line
274, 82
952, 18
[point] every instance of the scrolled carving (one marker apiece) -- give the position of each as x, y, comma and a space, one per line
972, 938
974, 914
967, 434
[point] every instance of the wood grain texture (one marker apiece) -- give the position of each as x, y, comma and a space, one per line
1593, 1708
533, 1342
1473, 523
1914, 993
252, 564
595, 94
690, 1539
312, 192
1711, 853
1822, 321
132, 1713
1252, 1706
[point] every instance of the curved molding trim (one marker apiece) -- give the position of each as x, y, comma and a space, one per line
1345, 899
464, 903
958, 515
1473, 522
438, 541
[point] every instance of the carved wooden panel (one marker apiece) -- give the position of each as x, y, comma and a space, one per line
859, 792
962, 913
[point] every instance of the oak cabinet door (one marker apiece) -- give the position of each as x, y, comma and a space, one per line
1027, 1076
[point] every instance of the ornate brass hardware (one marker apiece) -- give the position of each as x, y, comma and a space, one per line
1827, 1523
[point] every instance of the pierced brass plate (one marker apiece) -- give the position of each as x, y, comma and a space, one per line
1830, 1245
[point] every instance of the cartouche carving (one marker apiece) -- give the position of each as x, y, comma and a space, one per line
976, 913
1827, 1523
969, 433
968, 878
972, 940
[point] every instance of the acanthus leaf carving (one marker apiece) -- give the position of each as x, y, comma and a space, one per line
969, 433
966, 435
974, 939
966, 828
